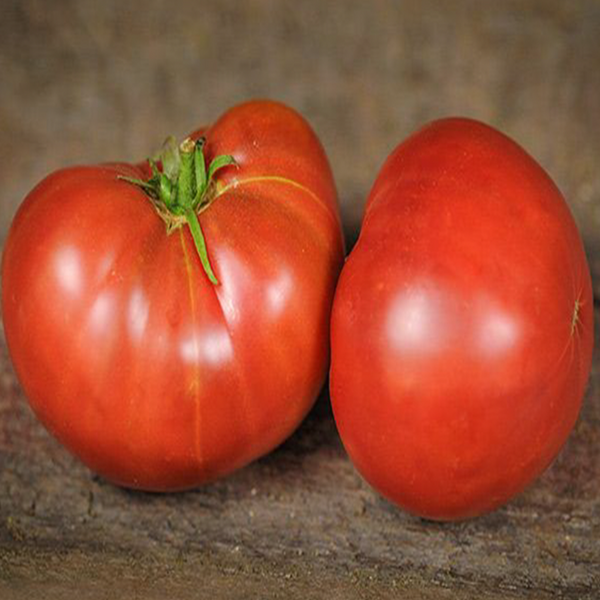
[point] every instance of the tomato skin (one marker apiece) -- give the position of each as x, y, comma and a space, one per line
462, 327
152, 376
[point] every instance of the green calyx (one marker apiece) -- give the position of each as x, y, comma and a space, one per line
180, 188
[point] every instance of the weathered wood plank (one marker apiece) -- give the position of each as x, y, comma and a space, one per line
298, 516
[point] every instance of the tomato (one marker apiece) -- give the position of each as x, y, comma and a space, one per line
462, 326
158, 371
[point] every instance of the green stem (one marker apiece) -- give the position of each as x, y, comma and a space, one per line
186, 182
200, 169
194, 224
182, 186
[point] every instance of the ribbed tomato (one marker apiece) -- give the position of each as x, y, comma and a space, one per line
155, 376
462, 326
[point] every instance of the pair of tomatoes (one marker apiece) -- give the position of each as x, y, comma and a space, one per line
170, 322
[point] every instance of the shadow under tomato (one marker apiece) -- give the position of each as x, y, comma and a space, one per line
315, 433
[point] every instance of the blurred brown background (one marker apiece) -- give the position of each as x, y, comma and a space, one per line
84, 80
89, 80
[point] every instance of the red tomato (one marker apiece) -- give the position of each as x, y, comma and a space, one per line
462, 326
152, 375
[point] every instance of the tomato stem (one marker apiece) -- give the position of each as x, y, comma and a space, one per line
179, 186
194, 224
186, 182
200, 170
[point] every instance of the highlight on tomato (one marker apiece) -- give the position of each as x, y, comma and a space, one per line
462, 327
169, 321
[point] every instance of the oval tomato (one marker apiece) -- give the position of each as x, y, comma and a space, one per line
151, 374
462, 326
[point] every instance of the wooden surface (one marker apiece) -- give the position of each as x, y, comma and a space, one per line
83, 81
